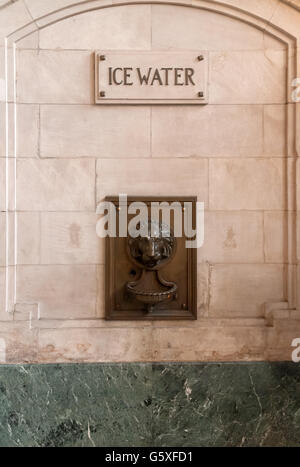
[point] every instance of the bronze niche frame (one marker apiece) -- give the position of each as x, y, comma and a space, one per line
119, 269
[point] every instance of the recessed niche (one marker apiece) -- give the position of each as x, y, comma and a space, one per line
150, 271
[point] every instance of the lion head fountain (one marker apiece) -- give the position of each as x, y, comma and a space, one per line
151, 249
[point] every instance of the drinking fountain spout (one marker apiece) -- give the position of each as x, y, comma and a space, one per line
151, 251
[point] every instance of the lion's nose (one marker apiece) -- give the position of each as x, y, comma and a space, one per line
151, 250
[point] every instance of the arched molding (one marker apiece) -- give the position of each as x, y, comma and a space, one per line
278, 18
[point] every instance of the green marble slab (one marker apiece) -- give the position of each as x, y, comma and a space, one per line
184, 405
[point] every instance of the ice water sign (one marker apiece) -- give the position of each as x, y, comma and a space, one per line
151, 77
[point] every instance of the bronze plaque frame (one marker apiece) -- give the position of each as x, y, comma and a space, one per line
119, 269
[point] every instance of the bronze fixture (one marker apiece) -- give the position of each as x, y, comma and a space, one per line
151, 253
153, 276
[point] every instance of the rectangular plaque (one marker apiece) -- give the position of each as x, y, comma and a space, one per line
151, 77
123, 269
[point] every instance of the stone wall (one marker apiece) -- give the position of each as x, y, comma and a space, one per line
62, 154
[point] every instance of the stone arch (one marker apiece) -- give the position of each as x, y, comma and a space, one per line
274, 18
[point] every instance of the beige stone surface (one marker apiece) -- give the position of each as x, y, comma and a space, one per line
291, 138
158, 344
45, 13
94, 323
265, 9
242, 289
13, 17
2, 239
7, 179
73, 9
213, 130
70, 238
191, 28
95, 345
10, 238
6, 69
39, 8
94, 131
20, 343
287, 19
246, 184
232, 237
230, 71
10, 73
28, 312
2, 184
297, 284
56, 185
3, 127
29, 238
248, 66
262, 9
216, 344
297, 175
8, 295
292, 287
62, 292
203, 280
58, 76
284, 17
298, 234
27, 130
22, 136
244, 343
272, 43
2, 73
290, 183
29, 41
280, 338
28, 34
3, 313
102, 29
100, 303
205, 321
152, 177
275, 237
7, 174
275, 137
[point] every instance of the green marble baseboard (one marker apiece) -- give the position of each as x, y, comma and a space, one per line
212, 404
